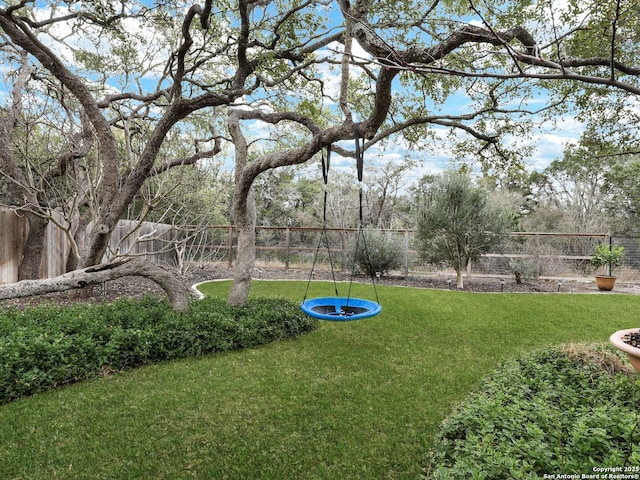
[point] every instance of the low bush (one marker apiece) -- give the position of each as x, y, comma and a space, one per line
378, 253
523, 269
548, 413
46, 346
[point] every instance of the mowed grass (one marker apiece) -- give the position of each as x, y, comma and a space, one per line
352, 400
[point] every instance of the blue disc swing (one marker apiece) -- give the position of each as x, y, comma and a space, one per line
339, 308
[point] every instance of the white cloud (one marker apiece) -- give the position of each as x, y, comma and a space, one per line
331, 75
549, 145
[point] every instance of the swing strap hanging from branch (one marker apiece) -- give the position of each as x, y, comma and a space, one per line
360, 234
341, 308
324, 234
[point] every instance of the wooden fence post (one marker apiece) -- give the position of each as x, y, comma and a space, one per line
287, 239
537, 254
230, 247
406, 253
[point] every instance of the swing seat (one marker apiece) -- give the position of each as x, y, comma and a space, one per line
340, 309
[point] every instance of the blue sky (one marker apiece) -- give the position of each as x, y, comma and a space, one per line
549, 143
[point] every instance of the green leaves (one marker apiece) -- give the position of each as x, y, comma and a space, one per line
611, 255
378, 253
458, 222
44, 347
548, 411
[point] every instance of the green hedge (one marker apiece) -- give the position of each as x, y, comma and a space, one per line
47, 346
547, 413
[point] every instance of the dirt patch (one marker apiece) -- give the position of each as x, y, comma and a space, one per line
137, 286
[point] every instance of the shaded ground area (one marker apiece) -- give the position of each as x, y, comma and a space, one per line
138, 287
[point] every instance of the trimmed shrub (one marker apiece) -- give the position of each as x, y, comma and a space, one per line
549, 412
47, 346
523, 269
378, 252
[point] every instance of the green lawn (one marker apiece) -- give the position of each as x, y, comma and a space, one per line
350, 400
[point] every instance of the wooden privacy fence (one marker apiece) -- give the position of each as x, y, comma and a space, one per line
152, 241
13, 229
13, 235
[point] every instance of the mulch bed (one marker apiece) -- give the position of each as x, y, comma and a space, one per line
138, 287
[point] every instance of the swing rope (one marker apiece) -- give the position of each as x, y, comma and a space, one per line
360, 234
324, 234
342, 308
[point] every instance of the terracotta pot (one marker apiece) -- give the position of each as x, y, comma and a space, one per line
605, 282
632, 352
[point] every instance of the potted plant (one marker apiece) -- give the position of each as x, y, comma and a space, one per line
608, 256
628, 341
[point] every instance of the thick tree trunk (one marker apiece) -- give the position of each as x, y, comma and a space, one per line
244, 215
79, 236
177, 292
245, 219
460, 279
21, 194
97, 240
34, 248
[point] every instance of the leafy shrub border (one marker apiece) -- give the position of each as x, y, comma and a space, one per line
47, 346
566, 410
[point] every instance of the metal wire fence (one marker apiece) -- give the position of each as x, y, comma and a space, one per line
530, 254
534, 254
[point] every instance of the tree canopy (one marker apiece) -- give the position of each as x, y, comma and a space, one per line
104, 96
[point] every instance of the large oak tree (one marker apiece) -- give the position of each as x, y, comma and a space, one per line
242, 65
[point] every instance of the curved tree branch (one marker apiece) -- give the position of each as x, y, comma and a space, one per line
177, 292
